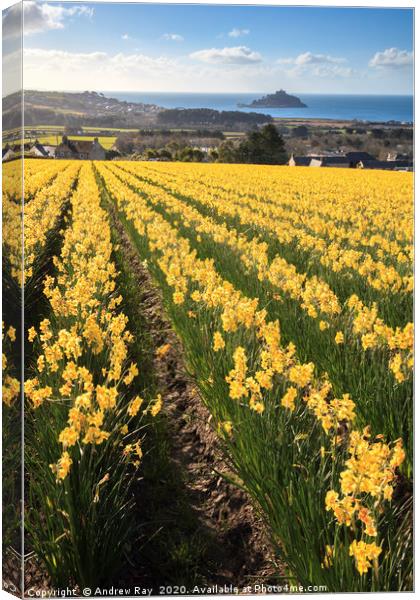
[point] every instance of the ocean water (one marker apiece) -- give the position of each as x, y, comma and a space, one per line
324, 106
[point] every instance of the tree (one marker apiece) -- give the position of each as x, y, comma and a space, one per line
185, 154
378, 133
214, 155
265, 147
124, 144
165, 153
300, 131
151, 153
198, 155
227, 153
112, 154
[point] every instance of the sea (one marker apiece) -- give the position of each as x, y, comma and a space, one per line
319, 106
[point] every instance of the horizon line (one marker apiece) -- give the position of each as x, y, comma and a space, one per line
81, 91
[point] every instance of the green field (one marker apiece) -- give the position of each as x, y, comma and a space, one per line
105, 141
52, 140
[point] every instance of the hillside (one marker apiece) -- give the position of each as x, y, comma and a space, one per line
93, 109
86, 108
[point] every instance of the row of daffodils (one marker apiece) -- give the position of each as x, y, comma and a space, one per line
341, 335
315, 294
347, 235
47, 190
85, 420
326, 478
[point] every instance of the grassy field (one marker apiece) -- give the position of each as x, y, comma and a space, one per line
105, 141
53, 140
47, 134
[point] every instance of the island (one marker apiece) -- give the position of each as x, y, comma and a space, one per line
279, 99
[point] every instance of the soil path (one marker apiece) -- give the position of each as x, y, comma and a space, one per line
221, 527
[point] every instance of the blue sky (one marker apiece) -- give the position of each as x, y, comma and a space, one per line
212, 48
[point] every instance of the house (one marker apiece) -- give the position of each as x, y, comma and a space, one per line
7, 153
39, 150
350, 160
389, 165
50, 150
336, 161
299, 161
315, 162
354, 158
80, 149
15, 149
392, 156
403, 165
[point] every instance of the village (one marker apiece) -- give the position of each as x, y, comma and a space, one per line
92, 150
68, 149
381, 146
355, 160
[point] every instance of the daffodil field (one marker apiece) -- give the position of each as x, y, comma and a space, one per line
291, 290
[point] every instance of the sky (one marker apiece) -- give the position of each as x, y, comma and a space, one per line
181, 48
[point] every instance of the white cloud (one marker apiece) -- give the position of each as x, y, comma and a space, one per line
63, 60
236, 55
134, 71
236, 32
94, 70
392, 58
333, 71
57, 64
318, 65
223, 70
125, 36
309, 58
39, 17
173, 37
139, 62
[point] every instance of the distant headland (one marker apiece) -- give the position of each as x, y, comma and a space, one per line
279, 99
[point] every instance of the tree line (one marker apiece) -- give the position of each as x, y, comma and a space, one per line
260, 146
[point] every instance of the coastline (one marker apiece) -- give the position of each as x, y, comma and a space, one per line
339, 123
340, 107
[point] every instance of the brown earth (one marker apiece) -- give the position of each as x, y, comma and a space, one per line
244, 555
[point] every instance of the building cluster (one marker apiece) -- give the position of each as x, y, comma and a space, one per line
67, 149
92, 150
353, 160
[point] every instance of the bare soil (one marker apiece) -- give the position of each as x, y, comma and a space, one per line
240, 552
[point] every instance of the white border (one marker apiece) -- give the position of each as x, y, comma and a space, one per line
304, 3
